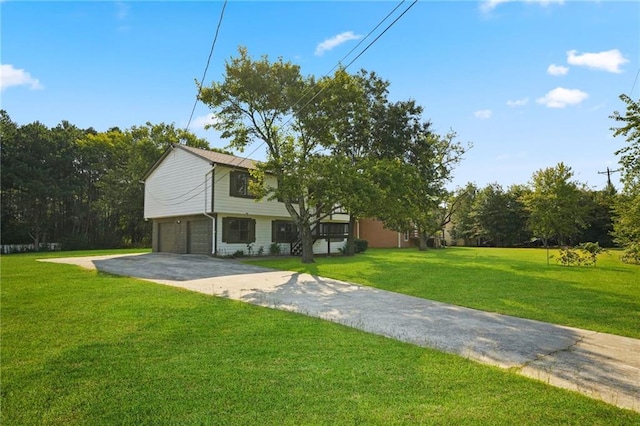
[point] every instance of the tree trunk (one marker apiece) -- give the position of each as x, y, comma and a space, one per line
307, 243
351, 246
424, 238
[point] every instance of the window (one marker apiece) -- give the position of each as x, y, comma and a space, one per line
238, 230
283, 231
406, 235
239, 184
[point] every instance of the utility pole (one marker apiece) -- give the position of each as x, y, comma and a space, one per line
608, 173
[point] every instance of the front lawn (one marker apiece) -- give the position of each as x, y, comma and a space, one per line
508, 281
81, 347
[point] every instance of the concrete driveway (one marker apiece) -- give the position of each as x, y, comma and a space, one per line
600, 365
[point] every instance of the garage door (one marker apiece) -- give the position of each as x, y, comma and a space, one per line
198, 237
166, 237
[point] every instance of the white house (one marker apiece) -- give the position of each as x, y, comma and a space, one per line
199, 202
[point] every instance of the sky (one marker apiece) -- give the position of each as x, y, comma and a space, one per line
528, 83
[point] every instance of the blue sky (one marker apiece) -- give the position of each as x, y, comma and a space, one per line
529, 83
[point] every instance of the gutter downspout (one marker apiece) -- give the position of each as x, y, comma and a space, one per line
213, 218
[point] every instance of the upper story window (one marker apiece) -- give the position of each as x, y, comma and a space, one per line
239, 184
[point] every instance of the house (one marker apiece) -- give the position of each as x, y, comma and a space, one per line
378, 236
199, 202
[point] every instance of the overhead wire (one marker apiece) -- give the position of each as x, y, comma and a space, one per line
165, 202
338, 64
634, 83
204, 74
297, 102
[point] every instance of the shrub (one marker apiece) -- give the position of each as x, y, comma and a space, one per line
631, 254
238, 253
360, 246
274, 249
583, 254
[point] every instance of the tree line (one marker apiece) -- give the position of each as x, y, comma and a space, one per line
79, 187
551, 209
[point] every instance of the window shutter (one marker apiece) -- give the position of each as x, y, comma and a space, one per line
274, 231
233, 183
252, 230
225, 229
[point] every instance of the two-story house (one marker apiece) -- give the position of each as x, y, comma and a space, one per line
200, 202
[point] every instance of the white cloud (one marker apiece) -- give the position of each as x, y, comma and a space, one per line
483, 114
335, 41
122, 10
609, 60
202, 121
489, 5
518, 102
10, 76
554, 69
561, 97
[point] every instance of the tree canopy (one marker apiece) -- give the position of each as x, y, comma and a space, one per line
627, 207
334, 142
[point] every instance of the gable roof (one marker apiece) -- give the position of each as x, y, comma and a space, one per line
210, 156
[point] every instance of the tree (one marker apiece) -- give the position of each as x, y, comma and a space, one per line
554, 205
418, 198
463, 224
627, 208
498, 216
271, 103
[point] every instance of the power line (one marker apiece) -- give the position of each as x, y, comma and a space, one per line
362, 52
634, 83
204, 74
350, 63
301, 98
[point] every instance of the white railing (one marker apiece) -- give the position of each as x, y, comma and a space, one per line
25, 248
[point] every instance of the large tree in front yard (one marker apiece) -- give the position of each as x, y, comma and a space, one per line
271, 103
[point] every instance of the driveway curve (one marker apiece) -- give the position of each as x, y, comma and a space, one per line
600, 365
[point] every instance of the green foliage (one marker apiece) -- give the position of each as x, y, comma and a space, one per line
274, 249
79, 187
499, 217
554, 205
627, 208
567, 256
631, 253
255, 103
361, 245
584, 254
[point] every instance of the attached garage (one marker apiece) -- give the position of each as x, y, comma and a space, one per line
167, 237
183, 235
199, 236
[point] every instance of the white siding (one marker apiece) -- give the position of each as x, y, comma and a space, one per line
177, 187
263, 236
320, 246
224, 203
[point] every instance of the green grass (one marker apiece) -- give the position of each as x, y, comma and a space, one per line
515, 282
81, 347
